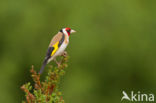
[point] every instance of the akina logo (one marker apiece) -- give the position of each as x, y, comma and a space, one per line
138, 96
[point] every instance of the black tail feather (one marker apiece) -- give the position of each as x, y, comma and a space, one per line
43, 66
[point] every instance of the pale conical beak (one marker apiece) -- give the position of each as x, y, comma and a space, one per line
72, 31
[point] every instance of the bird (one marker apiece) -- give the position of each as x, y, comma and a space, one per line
57, 46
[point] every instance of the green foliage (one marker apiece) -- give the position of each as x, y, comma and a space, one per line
46, 91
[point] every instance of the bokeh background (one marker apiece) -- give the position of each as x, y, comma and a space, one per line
113, 50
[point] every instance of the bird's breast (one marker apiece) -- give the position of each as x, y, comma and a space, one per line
66, 40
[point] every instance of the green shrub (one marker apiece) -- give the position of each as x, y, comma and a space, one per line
46, 91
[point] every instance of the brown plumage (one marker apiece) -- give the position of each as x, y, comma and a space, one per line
56, 38
66, 41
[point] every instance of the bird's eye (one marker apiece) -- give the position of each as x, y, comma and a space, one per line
68, 31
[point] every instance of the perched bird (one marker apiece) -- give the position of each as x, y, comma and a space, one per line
57, 46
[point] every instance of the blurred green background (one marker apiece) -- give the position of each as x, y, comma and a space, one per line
113, 50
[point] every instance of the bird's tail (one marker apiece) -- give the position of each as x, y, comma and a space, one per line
43, 66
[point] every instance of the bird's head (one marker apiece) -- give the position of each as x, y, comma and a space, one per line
67, 31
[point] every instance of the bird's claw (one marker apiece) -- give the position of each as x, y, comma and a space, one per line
58, 63
65, 54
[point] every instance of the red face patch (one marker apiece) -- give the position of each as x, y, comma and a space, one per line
68, 31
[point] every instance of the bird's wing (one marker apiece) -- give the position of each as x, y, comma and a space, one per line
56, 38
56, 42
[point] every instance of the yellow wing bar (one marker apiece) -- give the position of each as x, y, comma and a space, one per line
55, 48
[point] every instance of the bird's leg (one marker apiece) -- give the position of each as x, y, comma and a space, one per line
64, 54
58, 63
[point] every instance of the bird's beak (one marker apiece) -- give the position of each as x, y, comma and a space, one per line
72, 31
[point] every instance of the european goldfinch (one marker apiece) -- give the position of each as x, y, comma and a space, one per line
57, 46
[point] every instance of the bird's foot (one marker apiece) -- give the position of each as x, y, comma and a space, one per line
65, 54
58, 63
